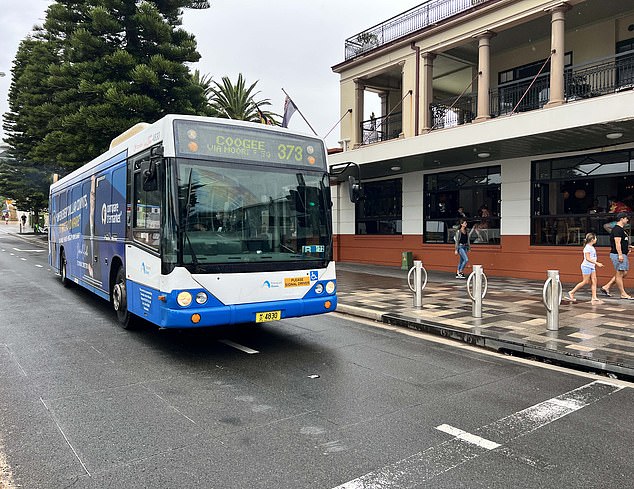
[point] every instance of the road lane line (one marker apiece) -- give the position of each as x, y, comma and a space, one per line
6, 476
34, 251
436, 460
468, 437
64, 435
237, 346
39, 266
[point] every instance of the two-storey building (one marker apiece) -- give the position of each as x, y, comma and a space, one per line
520, 112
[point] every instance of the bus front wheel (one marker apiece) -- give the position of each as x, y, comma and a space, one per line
120, 300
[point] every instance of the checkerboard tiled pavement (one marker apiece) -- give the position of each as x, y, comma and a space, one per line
597, 338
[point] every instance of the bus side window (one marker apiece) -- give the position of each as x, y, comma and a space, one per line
147, 212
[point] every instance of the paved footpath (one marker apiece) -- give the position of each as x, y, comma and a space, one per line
597, 338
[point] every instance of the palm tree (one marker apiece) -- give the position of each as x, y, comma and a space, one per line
238, 102
203, 81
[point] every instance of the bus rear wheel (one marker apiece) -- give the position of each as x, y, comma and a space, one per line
63, 269
120, 300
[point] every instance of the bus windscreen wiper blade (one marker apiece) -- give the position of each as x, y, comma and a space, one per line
188, 207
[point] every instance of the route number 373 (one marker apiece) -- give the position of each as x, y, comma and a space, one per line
288, 151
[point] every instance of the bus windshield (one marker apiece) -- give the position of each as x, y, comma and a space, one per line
236, 217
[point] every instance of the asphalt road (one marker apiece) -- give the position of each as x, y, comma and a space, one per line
323, 402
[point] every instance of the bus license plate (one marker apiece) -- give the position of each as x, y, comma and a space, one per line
261, 317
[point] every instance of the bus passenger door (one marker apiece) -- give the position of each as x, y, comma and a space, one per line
100, 228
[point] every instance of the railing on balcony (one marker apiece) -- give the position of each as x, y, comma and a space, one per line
608, 75
382, 128
452, 112
514, 97
417, 18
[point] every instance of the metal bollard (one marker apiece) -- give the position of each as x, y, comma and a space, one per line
552, 294
419, 283
477, 275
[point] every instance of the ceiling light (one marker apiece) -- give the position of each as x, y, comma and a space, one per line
614, 135
395, 168
484, 155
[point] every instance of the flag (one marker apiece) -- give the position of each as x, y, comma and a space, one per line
261, 115
289, 110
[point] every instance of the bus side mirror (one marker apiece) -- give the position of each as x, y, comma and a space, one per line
150, 181
354, 190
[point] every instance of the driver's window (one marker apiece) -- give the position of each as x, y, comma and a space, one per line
146, 223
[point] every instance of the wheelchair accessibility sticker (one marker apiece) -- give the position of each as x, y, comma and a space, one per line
314, 275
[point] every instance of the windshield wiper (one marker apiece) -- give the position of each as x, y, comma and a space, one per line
188, 207
288, 248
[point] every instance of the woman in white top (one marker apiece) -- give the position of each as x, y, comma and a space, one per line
588, 269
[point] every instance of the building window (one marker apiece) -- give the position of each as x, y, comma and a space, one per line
380, 212
576, 195
474, 193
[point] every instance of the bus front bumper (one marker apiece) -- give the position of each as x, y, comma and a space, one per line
198, 317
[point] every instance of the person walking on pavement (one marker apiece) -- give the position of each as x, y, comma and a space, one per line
619, 248
461, 240
588, 271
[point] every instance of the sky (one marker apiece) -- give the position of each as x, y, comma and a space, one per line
290, 44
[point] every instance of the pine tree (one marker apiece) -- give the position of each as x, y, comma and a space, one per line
119, 62
27, 180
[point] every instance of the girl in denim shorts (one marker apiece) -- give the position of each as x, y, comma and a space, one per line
588, 269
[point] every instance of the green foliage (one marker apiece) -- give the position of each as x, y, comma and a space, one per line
238, 102
94, 69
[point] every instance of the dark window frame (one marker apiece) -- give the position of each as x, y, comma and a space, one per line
571, 185
374, 214
442, 199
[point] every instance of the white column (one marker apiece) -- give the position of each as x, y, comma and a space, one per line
558, 18
427, 92
484, 75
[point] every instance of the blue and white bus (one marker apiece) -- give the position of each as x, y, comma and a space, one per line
195, 221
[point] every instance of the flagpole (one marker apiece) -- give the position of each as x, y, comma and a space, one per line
300, 112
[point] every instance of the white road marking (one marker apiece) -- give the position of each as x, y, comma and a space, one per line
39, 266
6, 476
468, 437
34, 251
65, 437
237, 346
23, 259
436, 460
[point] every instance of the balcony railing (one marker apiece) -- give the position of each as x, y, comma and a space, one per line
452, 112
415, 19
381, 128
601, 77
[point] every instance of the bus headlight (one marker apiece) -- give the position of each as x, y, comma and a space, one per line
330, 287
201, 298
319, 289
184, 299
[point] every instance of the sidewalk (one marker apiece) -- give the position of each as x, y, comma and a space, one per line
594, 338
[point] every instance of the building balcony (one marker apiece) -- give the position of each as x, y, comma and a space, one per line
429, 13
601, 77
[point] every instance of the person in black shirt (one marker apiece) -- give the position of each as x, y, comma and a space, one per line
461, 239
619, 248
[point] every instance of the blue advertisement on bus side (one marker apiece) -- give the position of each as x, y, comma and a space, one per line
88, 223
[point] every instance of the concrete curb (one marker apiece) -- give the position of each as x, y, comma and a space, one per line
492, 343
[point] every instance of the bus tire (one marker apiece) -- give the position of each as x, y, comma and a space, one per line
120, 301
63, 269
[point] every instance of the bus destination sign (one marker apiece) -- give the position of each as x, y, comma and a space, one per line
199, 139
